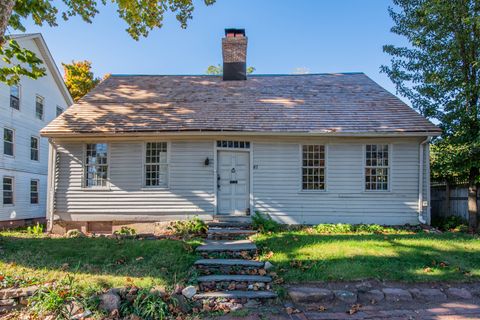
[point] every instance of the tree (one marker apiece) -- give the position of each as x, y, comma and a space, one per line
439, 72
218, 70
140, 16
79, 78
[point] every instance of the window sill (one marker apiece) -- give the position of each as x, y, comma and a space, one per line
154, 188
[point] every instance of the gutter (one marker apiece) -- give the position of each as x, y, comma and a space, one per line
420, 181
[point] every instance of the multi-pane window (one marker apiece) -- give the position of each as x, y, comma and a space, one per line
96, 165
34, 148
156, 164
376, 167
39, 103
313, 167
15, 97
233, 144
34, 191
59, 111
7, 190
8, 137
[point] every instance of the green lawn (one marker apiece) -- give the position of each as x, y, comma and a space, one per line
96, 261
301, 256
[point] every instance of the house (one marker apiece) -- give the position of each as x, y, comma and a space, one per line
306, 149
25, 109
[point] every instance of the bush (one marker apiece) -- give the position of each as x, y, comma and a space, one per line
349, 228
125, 231
192, 227
264, 223
452, 223
36, 229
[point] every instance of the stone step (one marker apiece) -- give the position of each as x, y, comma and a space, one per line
236, 295
230, 224
230, 262
234, 277
225, 233
227, 246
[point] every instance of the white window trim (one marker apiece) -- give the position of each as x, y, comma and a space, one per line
300, 162
43, 109
364, 166
13, 143
144, 149
38, 148
13, 192
84, 162
19, 98
38, 192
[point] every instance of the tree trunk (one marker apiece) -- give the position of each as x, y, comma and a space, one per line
472, 200
6, 8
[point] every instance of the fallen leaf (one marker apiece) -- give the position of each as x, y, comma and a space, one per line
354, 309
269, 255
427, 269
322, 309
139, 258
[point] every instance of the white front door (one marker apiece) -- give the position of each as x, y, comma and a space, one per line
233, 182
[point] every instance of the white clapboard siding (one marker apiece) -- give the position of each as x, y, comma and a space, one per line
190, 189
276, 185
25, 125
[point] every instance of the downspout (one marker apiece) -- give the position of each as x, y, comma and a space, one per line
52, 156
420, 182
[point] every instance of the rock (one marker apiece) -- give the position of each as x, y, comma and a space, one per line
74, 233
459, 293
189, 292
397, 295
250, 287
109, 301
310, 295
345, 296
432, 295
7, 302
17, 292
268, 266
73, 308
183, 303
82, 315
371, 296
364, 286
159, 290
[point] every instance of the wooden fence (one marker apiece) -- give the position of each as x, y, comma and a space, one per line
449, 200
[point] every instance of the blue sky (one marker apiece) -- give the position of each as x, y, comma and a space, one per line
320, 35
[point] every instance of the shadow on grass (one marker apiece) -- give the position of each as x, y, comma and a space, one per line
161, 261
302, 257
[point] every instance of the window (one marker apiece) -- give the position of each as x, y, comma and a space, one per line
34, 191
34, 148
313, 167
59, 111
15, 97
7, 190
39, 101
376, 167
233, 144
8, 137
96, 165
156, 164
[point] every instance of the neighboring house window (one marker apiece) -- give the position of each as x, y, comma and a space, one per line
34, 148
313, 167
7, 190
39, 102
34, 191
377, 167
96, 165
59, 111
15, 97
8, 137
156, 164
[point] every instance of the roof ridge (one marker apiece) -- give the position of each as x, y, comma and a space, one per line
252, 75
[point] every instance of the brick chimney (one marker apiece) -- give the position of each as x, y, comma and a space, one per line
234, 51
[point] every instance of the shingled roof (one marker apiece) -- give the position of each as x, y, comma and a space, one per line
344, 103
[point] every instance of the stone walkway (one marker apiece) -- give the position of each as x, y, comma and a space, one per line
228, 269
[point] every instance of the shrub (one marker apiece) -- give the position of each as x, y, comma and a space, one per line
55, 300
334, 228
349, 228
125, 231
36, 229
452, 223
148, 305
264, 223
192, 227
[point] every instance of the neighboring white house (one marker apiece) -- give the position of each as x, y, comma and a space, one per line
24, 110
303, 148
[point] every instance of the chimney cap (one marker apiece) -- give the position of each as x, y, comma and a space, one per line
234, 32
